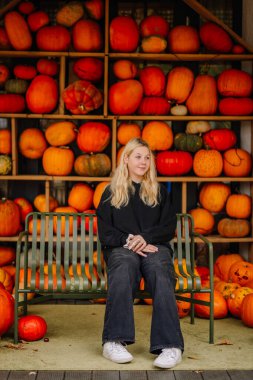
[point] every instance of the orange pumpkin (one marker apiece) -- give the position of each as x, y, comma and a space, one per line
64, 209
37, 20
61, 133
11, 269
5, 141
127, 131
32, 143
10, 218
42, 94
58, 161
183, 39
87, 36
247, 310
154, 25
98, 193
53, 269
237, 163
17, 30
158, 134
129, 89
235, 300
53, 38
6, 311
153, 44
226, 288
203, 220
213, 196
220, 305
94, 8
207, 163
236, 106
241, 273
223, 264
26, 72
234, 82
88, 68
239, 206
7, 255
119, 153
6, 280
215, 38
80, 270
124, 69
203, 99
93, 137
55, 282
40, 203
38, 227
46, 66
81, 197
183, 307
233, 227
124, 34
179, 84
153, 80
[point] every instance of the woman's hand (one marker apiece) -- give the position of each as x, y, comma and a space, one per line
137, 243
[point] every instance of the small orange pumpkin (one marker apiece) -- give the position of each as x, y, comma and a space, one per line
58, 161
61, 133
237, 163
127, 131
40, 203
64, 209
81, 197
247, 310
124, 69
207, 163
239, 206
7, 255
203, 220
235, 300
213, 196
32, 143
87, 36
5, 141
158, 134
183, 39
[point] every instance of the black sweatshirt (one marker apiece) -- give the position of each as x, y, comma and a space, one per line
155, 224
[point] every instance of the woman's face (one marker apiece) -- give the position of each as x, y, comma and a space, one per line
138, 163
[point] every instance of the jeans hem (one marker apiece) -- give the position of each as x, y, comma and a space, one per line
119, 339
156, 350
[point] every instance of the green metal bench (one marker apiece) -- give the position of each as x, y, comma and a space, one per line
61, 247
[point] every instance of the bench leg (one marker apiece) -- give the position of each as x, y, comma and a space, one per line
211, 321
16, 321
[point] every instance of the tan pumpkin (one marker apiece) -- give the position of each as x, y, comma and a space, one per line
158, 134
179, 84
58, 161
233, 227
199, 126
69, 13
207, 163
95, 165
203, 99
203, 220
213, 196
61, 133
153, 44
239, 206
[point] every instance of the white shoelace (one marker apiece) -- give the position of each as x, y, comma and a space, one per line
169, 353
117, 347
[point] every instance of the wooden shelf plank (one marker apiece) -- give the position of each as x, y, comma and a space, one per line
182, 57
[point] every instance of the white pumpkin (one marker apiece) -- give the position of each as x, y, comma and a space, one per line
199, 126
179, 110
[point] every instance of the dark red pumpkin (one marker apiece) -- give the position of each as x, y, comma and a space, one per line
31, 328
53, 38
91, 69
173, 163
234, 82
154, 25
215, 38
9, 218
93, 136
236, 106
4, 40
220, 305
17, 30
124, 34
219, 139
87, 36
42, 94
26, 72
154, 105
6, 311
82, 97
46, 66
125, 97
153, 81
37, 20
94, 8
26, 7
11, 103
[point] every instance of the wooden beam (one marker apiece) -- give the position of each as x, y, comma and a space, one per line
9, 6
206, 14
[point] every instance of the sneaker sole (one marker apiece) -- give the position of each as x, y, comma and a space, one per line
123, 361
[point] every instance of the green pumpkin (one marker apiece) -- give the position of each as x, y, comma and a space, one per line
16, 86
5, 164
188, 143
94, 165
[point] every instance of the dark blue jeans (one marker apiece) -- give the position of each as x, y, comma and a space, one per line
125, 269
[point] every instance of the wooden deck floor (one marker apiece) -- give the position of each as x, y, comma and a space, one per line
127, 375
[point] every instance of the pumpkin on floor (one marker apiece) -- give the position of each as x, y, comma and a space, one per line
241, 273
31, 328
220, 305
247, 310
235, 300
6, 311
223, 263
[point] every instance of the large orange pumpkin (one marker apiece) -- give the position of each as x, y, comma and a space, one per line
213, 196
241, 272
237, 163
233, 227
183, 39
179, 84
127, 131
6, 311
124, 34
203, 220
9, 218
220, 305
58, 160
235, 82
87, 36
247, 310
61, 133
32, 143
152, 79
203, 99
64, 209
239, 206
223, 264
129, 89
158, 134
53, 38
235, 300
17, 30
207, 163
183, 307
98, 192
93, 137
42, 94
5, 141
7, 255
81, 197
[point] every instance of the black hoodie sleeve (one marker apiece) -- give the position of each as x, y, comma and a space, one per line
108, 234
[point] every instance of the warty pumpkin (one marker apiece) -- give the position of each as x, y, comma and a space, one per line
236, 298
69, 13
190, 143
237, 163
179, 84
5, 164
239, 206
95, 165
61, 133
158, 134
223, 263
233, 227
203, 99
207, 163
58, 161
226, 288
213, 196
241, 273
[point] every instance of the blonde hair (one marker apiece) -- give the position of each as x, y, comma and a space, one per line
121, 185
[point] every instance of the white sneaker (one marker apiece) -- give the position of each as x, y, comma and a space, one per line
116, 352
168, 358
